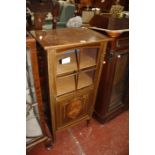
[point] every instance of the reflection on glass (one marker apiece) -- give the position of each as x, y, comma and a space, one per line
33, 129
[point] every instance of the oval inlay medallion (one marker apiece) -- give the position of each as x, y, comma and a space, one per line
74, 108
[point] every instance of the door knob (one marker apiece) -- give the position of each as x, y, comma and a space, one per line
119, 56
104, 62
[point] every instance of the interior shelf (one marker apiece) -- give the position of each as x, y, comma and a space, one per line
85, 79
65, 84
66, 62
76, 64
88, 57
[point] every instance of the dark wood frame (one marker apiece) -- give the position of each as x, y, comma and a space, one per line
118, 47
40, 9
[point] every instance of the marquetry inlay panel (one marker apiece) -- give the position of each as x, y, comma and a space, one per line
74, 108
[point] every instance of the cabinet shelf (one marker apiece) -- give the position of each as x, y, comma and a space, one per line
88, 57
69, 67
85, 79
79, 62
65, 84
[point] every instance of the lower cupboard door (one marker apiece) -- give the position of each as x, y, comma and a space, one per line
73, 109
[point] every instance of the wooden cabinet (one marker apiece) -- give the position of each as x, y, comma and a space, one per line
36, 127
40, 9
73, 59
113, 91
73, 108
105, 5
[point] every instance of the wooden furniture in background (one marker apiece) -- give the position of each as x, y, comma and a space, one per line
40, 8
113, 92
86, 3
73, 70
113, 89
108, 22
105, 5
37, 107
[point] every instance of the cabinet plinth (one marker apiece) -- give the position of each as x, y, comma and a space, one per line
73, 60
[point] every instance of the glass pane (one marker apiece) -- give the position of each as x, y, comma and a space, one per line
65, 84
85, 79
66, 62
119, 82
33, 129
88, 57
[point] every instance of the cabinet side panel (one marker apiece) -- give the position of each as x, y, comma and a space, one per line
52, 87
102, 50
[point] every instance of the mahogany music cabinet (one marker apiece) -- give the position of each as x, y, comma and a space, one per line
73, 58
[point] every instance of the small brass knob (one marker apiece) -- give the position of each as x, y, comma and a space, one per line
104, 62
119, 56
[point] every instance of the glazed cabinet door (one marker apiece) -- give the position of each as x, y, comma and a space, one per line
120, 80
113, 88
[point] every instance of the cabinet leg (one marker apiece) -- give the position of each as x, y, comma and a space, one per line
54, 137
49, 144
88, 122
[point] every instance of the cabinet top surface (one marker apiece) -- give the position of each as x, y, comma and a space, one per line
65, 37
